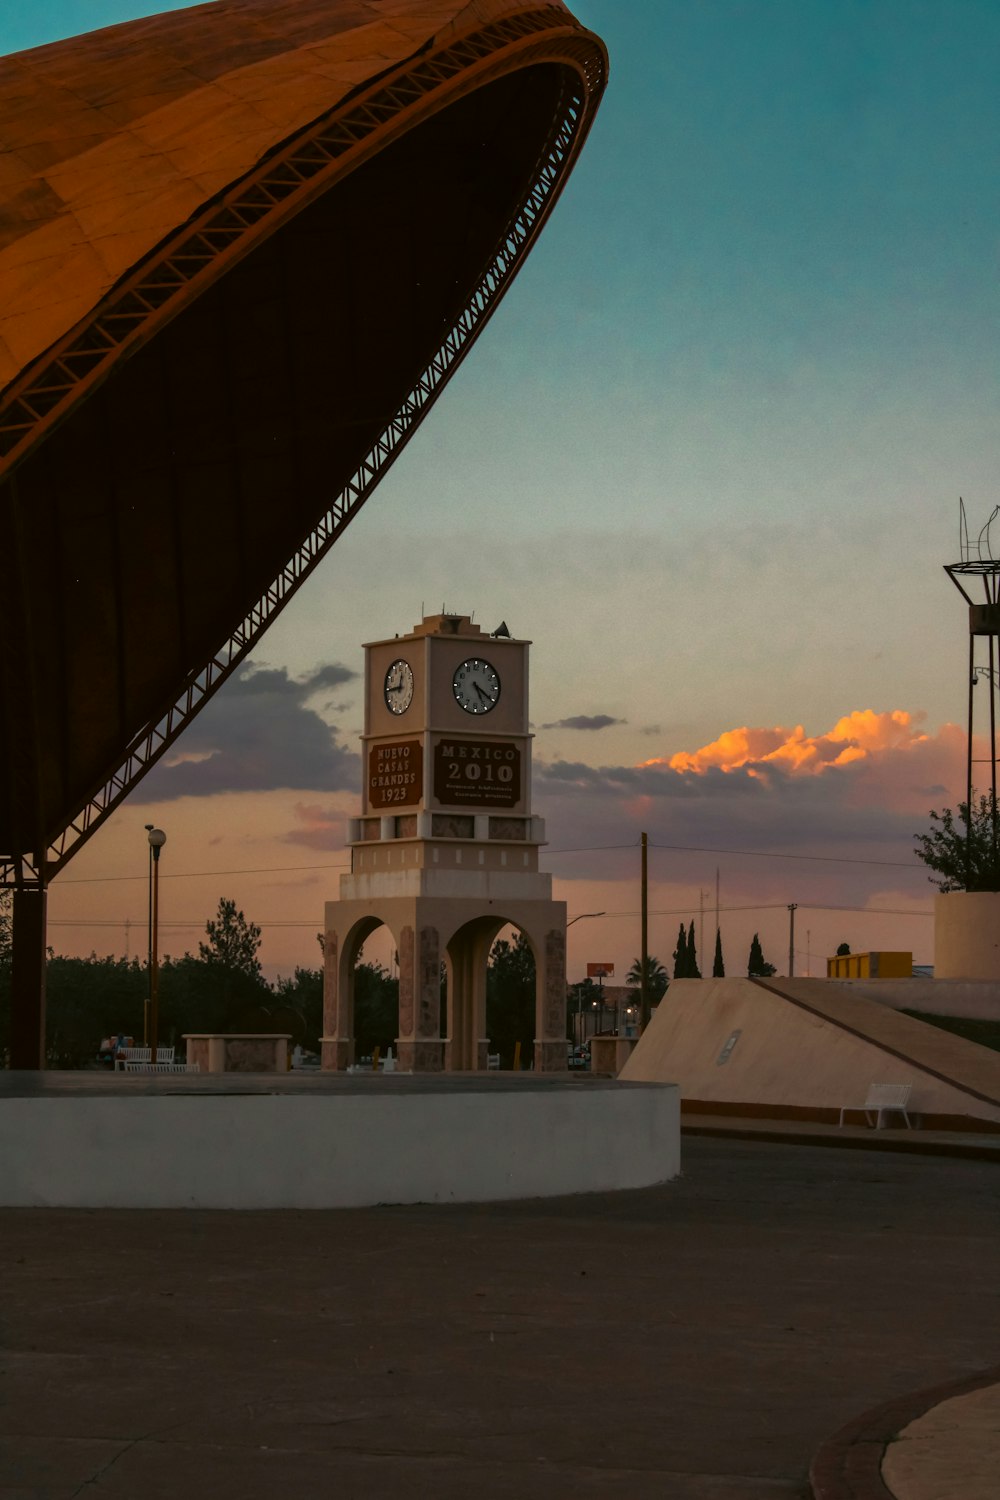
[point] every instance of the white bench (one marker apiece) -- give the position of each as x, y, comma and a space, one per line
883, 1099
142, 1055
162, 1067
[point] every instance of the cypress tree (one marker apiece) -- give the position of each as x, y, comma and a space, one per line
681, 955
693, 971
757, 965
718, 967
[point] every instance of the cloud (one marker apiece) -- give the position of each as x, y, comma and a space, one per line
321, 827
259, 734
584, 721
854, 737
857, 792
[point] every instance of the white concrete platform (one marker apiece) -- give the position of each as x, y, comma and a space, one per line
253, 1141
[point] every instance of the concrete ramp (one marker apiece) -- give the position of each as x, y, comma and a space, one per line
806, 1044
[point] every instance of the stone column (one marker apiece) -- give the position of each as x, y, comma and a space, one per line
550, 1005
419, 1041
337, 1044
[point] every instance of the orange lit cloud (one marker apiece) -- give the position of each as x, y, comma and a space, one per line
855, 737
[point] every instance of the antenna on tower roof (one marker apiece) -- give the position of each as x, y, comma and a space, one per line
963, 531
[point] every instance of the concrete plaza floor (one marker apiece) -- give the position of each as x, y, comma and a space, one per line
697, 1341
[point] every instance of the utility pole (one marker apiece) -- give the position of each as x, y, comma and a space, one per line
792, 905
717, 898
644, 956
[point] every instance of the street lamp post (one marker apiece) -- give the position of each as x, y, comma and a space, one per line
157, 839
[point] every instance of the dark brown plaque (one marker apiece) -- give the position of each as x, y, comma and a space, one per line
477, 773
395, 774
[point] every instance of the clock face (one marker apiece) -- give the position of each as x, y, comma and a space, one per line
476, 686
398, 688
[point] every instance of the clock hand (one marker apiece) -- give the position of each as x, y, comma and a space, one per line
485, 696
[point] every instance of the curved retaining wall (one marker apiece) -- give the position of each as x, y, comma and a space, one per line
967, 935
274, 1150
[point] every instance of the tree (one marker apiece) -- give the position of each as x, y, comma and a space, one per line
304, 994
233, 942
657, 978
233, 982
757, 965
966, 857
680, 955
693, 971
87, 999
376, 1010
843, 949
510, 997
718, 966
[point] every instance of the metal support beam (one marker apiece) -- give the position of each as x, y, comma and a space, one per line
27, 1023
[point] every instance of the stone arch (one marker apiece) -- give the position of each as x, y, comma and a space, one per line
467, 954
341, 951
459, 931
467, 951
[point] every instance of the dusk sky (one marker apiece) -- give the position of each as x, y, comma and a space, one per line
707, 457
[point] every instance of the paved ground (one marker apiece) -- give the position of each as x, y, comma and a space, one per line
696, 1341
960, 1435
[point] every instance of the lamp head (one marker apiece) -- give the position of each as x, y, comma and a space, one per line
157, 839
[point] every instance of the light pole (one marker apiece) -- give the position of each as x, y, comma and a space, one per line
157, 839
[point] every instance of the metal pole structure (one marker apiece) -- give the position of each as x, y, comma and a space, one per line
791, 938
977, 562
968, 764
993, 750
644, 938
149, 946
157, 839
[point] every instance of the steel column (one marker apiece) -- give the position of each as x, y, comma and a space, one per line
27, 1024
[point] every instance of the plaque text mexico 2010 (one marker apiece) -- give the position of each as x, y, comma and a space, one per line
477, 773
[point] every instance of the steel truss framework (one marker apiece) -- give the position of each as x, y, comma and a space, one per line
984, 622
285, 183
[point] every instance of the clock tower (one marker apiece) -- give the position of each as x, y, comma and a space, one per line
445, 850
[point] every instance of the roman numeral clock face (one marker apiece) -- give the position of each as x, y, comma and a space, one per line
476, 685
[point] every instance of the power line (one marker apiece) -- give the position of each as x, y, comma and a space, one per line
337, 864
674, 911
833, 859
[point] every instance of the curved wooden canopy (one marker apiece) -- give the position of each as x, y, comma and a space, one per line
242, 248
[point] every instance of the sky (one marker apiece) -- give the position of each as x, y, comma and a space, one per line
707, 457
